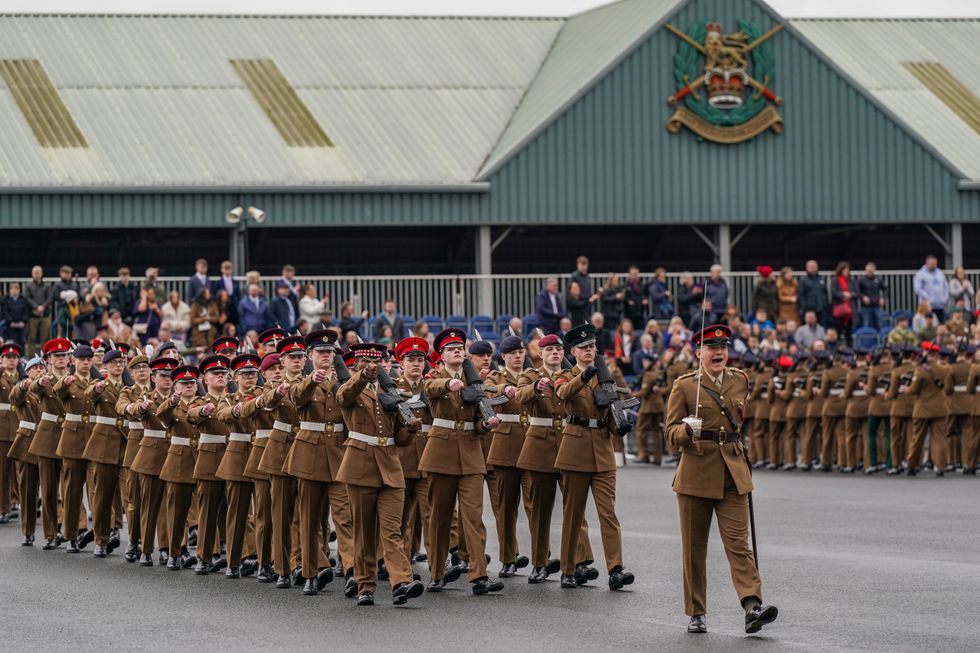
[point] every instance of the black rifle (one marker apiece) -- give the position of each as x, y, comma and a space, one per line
606, 397
474, 395
392, 401
340, 367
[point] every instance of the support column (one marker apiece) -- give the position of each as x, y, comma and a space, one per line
484, 267
956, 243
236, 248
724, 253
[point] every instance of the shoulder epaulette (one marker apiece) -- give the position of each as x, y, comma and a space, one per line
681, 378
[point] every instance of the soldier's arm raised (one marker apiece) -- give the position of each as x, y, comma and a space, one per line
436, 388
916, 386
567, 386
195, 413
302, 393
348, 393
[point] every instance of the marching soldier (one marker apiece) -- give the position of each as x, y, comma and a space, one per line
139, 369
75, 433
759, 402
748, 362
959, 406
263, 420
149, 459
879, 433
929, 412
796, 406
810, 443
971, 438
856, 413
832, 418
27, 407
373, 474
453, 460
45, 442
269, 340
546, 422
713, 478
587, 463
653, 387
779, 391
105, 450
178, 467
505, 448
903, 403
10, 354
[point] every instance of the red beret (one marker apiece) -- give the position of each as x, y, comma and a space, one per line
270, 360
550, 340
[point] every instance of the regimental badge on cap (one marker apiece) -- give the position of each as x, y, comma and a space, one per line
185, 373
448, 338
245, 363
11, 349
580, 336
717, 335
321, 340
163, 363
214, 363
57, 346
411, 345
224, 345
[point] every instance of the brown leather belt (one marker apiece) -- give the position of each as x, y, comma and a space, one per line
721, 437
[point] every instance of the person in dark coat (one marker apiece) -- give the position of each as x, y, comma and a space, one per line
576, 304
765, 295
124, 295
813, 293
282, 311
15, 312
548, 308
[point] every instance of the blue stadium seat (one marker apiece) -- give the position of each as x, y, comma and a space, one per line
408, 321
886, 319
457, 322
502, 322
898, 315
485, 325
883, 334
434, 322
530, 323
866, 338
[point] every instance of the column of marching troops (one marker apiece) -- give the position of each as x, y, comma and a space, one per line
897, 409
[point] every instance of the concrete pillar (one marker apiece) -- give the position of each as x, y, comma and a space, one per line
724, 254
236, 248
956, 244
484, 267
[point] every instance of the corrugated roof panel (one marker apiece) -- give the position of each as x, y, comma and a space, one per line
874, 53
40, 103
949, 90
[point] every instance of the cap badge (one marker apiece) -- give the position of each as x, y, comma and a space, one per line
719, 333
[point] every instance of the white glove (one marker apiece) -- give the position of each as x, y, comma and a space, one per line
695, 424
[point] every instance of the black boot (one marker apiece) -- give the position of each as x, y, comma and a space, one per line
485, 586
405, 591
310, 588
266, 575
584, 573
697, 625
324, 577
146, 560
537, 575
619, 577
365, 598
757, 616
132, 551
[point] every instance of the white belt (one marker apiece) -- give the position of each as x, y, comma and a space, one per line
153, 433
858, 393
240, 437
180, 442
321, 427
513, 419
836, 392
208, 438
370, 439
546, 421
450, 424
426, 428
48, 417
959, 388
263, 434
71, 417
107, 421
30, 426
4, 406
134, 426
282, 426
880, 392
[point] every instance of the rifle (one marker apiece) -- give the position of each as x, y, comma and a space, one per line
340, 367
393, 402
605, 397
474, 395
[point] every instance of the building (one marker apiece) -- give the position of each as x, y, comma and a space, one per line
128, 138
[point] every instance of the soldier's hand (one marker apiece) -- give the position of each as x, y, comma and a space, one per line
491, 423
145, 405
319, 376
588, 373
510, 391
99, 387
283, 389
24, 384
44, 381
175, 399
69, 379
543, 384
455, 385
484, 372
414, 425
236, 410
208, 410
370, 371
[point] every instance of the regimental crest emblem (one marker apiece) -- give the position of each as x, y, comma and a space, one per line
724, 82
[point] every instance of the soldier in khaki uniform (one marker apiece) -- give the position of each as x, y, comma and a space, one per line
797, 402
263, 420
454, 463
373, 474
876, 453
139, 369
513, 484
856, 413
779, 392
44, 445
178, 467
971, 435
587, 463
758, 401
10, 354
900, 417
27, 407
959, 405
832, 418
411, 353
75, 434
748, 362
929, 413
314, 459
810, 442
149, 460
713, 479
653, 387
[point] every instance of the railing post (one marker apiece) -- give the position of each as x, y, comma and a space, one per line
484, 268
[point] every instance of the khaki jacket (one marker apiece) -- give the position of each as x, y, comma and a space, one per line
878, 379
277, 446
132, 395
235, 459
178, 467
902, 402
971, 388
653, 387
107, 445
583, 449
780, 388
451, 451
855, 394
508, 437
958, 402
927, 388
262, 419
832, 384
27, 408
75, 435
316, 455
797, 399
208, 455
759, 399
702, 473
8, 418
540, 448
412, 454
48, 434
814, 381
152, 452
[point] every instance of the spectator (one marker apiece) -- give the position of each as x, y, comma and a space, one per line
623, 345
702, 318
422, 330
765, 295
661, 300
303, 327
635, 297
94, 312
581, 275
516, 326
392, 318
253, 311
15, 312
253, 276
613, 298
646, 351
676, 332
762, 320
741, 338
118, 330
39, 296
227, 310
842, 298
205, 319
385, 335
125, 294
311, 308
931, 286
833, 339
147, 317
548, 307
152, 282
716, 292
197, 281
652, 329
350, 338
956, 325
68, 309
349, 323
603, 336
928, 330
688, 297
919, 319
810, 331
789, 295
289, 279
961, 288
577, 305
231, 330
871, 297
177, 315
813, 292
282, 311
770, 341
564, 326
901, 334
91, 278
64, 282
227, 283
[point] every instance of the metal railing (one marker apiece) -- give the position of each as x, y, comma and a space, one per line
513, 294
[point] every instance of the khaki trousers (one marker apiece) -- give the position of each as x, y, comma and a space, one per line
856, 429
283, 493
513, 484
957, 432
415, 515
575, 493
106, 479
29, 485
49, 471
970, 442
179, 499
757, 439
312, 495
648, 426
239, 499
733, 526
810, 441
8, 478
833, 439
343, 522
543, 488
377, 514
263, 521
73, 475
151, 499
130, 484
900, 438
210, 496
444, 492
456, 541
794, 427
934, 429
774, 448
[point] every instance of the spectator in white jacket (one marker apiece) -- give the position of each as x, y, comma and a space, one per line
931, 286
311, 308
176, 316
